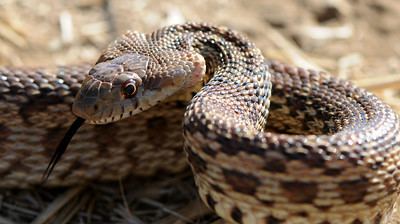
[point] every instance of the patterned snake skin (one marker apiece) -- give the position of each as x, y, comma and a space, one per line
329, 153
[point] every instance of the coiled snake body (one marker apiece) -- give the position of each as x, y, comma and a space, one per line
329, 153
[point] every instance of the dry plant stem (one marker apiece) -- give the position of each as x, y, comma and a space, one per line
6, 221
219, 221
295, 55
125, 202
191, 211
54, 207
164, 208
19, 209
379, 82
71, 209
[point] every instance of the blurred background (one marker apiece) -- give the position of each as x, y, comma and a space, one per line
357, 40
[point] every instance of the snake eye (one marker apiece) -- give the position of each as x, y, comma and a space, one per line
129, 88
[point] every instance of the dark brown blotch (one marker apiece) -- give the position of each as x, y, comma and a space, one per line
233, 147
229, 147
332, 172
300, 192
181, 104
324, 208
275, 165
103, 137
353, 191
357, 221
372, 203
157, 129
267, 203
210, 202
237, 215
217, 188
156, 123
315, 160
378, 218
272, 220
242, 182
302, 214
209, 151
5, 132
199, 164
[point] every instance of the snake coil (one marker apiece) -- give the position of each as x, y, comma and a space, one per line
267, 142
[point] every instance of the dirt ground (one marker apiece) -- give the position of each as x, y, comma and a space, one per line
353, 39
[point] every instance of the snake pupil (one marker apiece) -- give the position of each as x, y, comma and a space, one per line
129, 88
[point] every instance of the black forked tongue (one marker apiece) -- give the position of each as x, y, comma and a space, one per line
62, 146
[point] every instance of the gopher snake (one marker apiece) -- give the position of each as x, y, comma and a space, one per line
329, 153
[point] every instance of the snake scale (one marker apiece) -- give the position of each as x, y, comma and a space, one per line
329, 153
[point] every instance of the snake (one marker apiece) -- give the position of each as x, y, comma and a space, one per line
267, 142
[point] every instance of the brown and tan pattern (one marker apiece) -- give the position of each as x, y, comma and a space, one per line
329, 153
36, 112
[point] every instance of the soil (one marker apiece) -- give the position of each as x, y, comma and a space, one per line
352, 39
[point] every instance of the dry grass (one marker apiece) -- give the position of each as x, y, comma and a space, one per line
168, 199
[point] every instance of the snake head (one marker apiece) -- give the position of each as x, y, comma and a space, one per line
128, 84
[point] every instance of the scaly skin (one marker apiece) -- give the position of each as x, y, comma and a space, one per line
329, 153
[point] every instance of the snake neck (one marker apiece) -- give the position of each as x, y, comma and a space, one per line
224, 50
235, 68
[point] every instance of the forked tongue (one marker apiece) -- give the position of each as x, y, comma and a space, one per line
62, 146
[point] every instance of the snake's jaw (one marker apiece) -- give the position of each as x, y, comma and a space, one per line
87, 100
101, 89
132, 83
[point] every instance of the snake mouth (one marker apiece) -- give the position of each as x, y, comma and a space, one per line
62, 146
